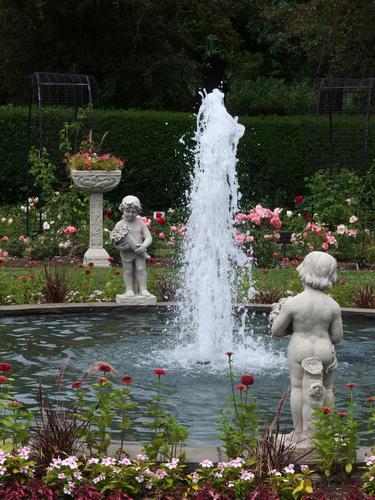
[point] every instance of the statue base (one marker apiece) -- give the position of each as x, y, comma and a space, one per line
98, 256
137, 300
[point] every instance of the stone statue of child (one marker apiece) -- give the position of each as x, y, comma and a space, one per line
132, 237
314, 321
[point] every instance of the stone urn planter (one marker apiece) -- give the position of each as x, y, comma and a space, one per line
96, 182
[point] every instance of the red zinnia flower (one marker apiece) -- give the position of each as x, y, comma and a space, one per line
3, 380
5, 367
341, 414
351, 385
127, 379
247, 379
105, 368
80, 264
241, 387
298, 198
229, 354
369, 400
91, 264
159, 372
77, 384
325, 409
87, 271
102, 380
343, 282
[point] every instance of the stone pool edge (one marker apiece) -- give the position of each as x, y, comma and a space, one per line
94, 307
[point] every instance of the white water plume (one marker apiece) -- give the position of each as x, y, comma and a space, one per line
211, 259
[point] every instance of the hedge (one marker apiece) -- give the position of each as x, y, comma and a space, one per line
275, 154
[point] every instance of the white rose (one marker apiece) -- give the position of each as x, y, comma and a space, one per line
289, 213
46, 226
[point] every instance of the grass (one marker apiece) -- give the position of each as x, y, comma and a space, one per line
26, 284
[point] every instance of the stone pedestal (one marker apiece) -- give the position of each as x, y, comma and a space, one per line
96, 182
137, 300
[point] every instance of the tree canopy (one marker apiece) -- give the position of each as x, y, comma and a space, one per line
157, 54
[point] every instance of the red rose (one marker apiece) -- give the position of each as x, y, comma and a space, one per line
294, 262
285, 260
341, 414
159, 372
298, 198
247, 379
158, 215
104, 368
308, 217
102, 380
325, 409
3, 380
127, 379
77, 384
351, 385
5, 367
161, 221
91, 264
241, 387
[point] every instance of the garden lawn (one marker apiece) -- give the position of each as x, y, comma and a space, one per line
27, 284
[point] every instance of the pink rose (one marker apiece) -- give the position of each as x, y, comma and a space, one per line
341, 229
352, 233
276, 223
22, 237
171, 243
5, 238
70, 230
325, 246
353, 219
173, 229
305, 235
161, 236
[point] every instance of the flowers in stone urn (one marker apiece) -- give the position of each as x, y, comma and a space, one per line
90, 157
89, 160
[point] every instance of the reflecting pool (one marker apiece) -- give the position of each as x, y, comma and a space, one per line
138, 343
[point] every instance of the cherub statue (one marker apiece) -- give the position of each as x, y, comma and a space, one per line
132, 237
313, 319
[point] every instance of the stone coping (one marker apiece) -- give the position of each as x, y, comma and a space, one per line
195, 454
96, 307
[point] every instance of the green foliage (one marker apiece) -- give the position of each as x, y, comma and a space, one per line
169, 434
269, 96
336, 438
335, 195
238, 424
273, 154
15, 419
